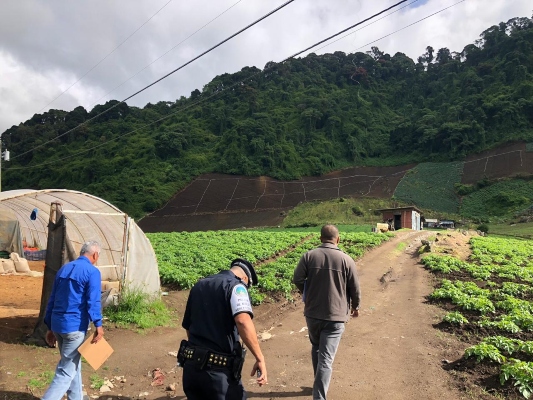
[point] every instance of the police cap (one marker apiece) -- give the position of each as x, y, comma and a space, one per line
248, 269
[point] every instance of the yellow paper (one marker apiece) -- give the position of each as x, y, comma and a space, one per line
95, 353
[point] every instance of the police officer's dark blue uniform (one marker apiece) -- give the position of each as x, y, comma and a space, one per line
213, 305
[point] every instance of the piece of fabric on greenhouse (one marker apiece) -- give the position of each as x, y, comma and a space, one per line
126, 251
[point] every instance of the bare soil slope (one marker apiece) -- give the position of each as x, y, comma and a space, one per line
390, 352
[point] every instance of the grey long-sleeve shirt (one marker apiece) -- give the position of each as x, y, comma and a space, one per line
328, 278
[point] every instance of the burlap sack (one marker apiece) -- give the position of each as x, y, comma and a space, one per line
1, 268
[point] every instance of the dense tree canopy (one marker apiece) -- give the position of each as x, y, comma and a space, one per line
302, 117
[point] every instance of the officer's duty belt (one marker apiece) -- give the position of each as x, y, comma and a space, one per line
204, 358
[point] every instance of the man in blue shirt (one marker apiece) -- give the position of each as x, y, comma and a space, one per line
75, 300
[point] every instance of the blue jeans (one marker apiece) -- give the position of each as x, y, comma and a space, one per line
325, 337
68, 371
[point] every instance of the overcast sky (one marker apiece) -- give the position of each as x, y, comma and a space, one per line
46, 46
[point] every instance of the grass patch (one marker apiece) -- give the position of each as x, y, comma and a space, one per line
341, 212
96, 381
500, 200
42, 381
401, 246
139, 309
524, 230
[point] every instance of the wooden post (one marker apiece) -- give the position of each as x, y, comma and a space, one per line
55, 258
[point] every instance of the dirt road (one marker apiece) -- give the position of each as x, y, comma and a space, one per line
390, 352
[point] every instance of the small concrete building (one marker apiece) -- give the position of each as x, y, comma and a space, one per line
403, 217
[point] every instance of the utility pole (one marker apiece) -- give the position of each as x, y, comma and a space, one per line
4, 155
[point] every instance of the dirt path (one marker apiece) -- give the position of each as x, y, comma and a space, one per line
390, 352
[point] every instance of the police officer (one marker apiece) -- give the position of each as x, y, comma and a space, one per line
217, 315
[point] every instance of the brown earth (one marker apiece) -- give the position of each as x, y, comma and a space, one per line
218, 201
508, 160
392, 351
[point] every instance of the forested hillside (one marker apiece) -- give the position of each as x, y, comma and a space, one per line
303, 117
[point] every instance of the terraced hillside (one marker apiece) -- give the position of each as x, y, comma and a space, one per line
217, 201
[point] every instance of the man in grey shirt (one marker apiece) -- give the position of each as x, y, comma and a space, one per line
328, 280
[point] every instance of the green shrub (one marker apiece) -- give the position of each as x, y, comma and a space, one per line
357, 211
464, 189
483, 228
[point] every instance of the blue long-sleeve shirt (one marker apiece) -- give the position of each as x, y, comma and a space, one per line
75, 298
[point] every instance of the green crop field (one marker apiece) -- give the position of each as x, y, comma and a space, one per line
489, 301
431, 186
184, 257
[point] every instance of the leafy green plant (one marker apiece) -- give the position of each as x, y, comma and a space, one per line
521, 373
503, 324
455, 317
525, 347
502, 343
484, 351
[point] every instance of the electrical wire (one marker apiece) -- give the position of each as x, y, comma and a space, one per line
164, 54
163, 77
215, 94
408, 26
103, 59
350, 27
363, 27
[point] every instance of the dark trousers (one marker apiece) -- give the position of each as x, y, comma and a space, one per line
211, 384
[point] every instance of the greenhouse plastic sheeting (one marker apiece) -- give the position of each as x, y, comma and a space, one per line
10, 238
126, 251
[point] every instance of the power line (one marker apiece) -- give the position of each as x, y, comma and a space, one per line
347, 29
164, 54
363, 27
163, 77
103, 59
414, 23
217, 93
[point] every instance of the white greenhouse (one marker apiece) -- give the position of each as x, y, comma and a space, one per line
126, 256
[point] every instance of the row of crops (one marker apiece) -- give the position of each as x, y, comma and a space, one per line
431, 186
185, 257
489, 298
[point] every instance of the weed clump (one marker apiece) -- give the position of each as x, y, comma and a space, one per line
138, 308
